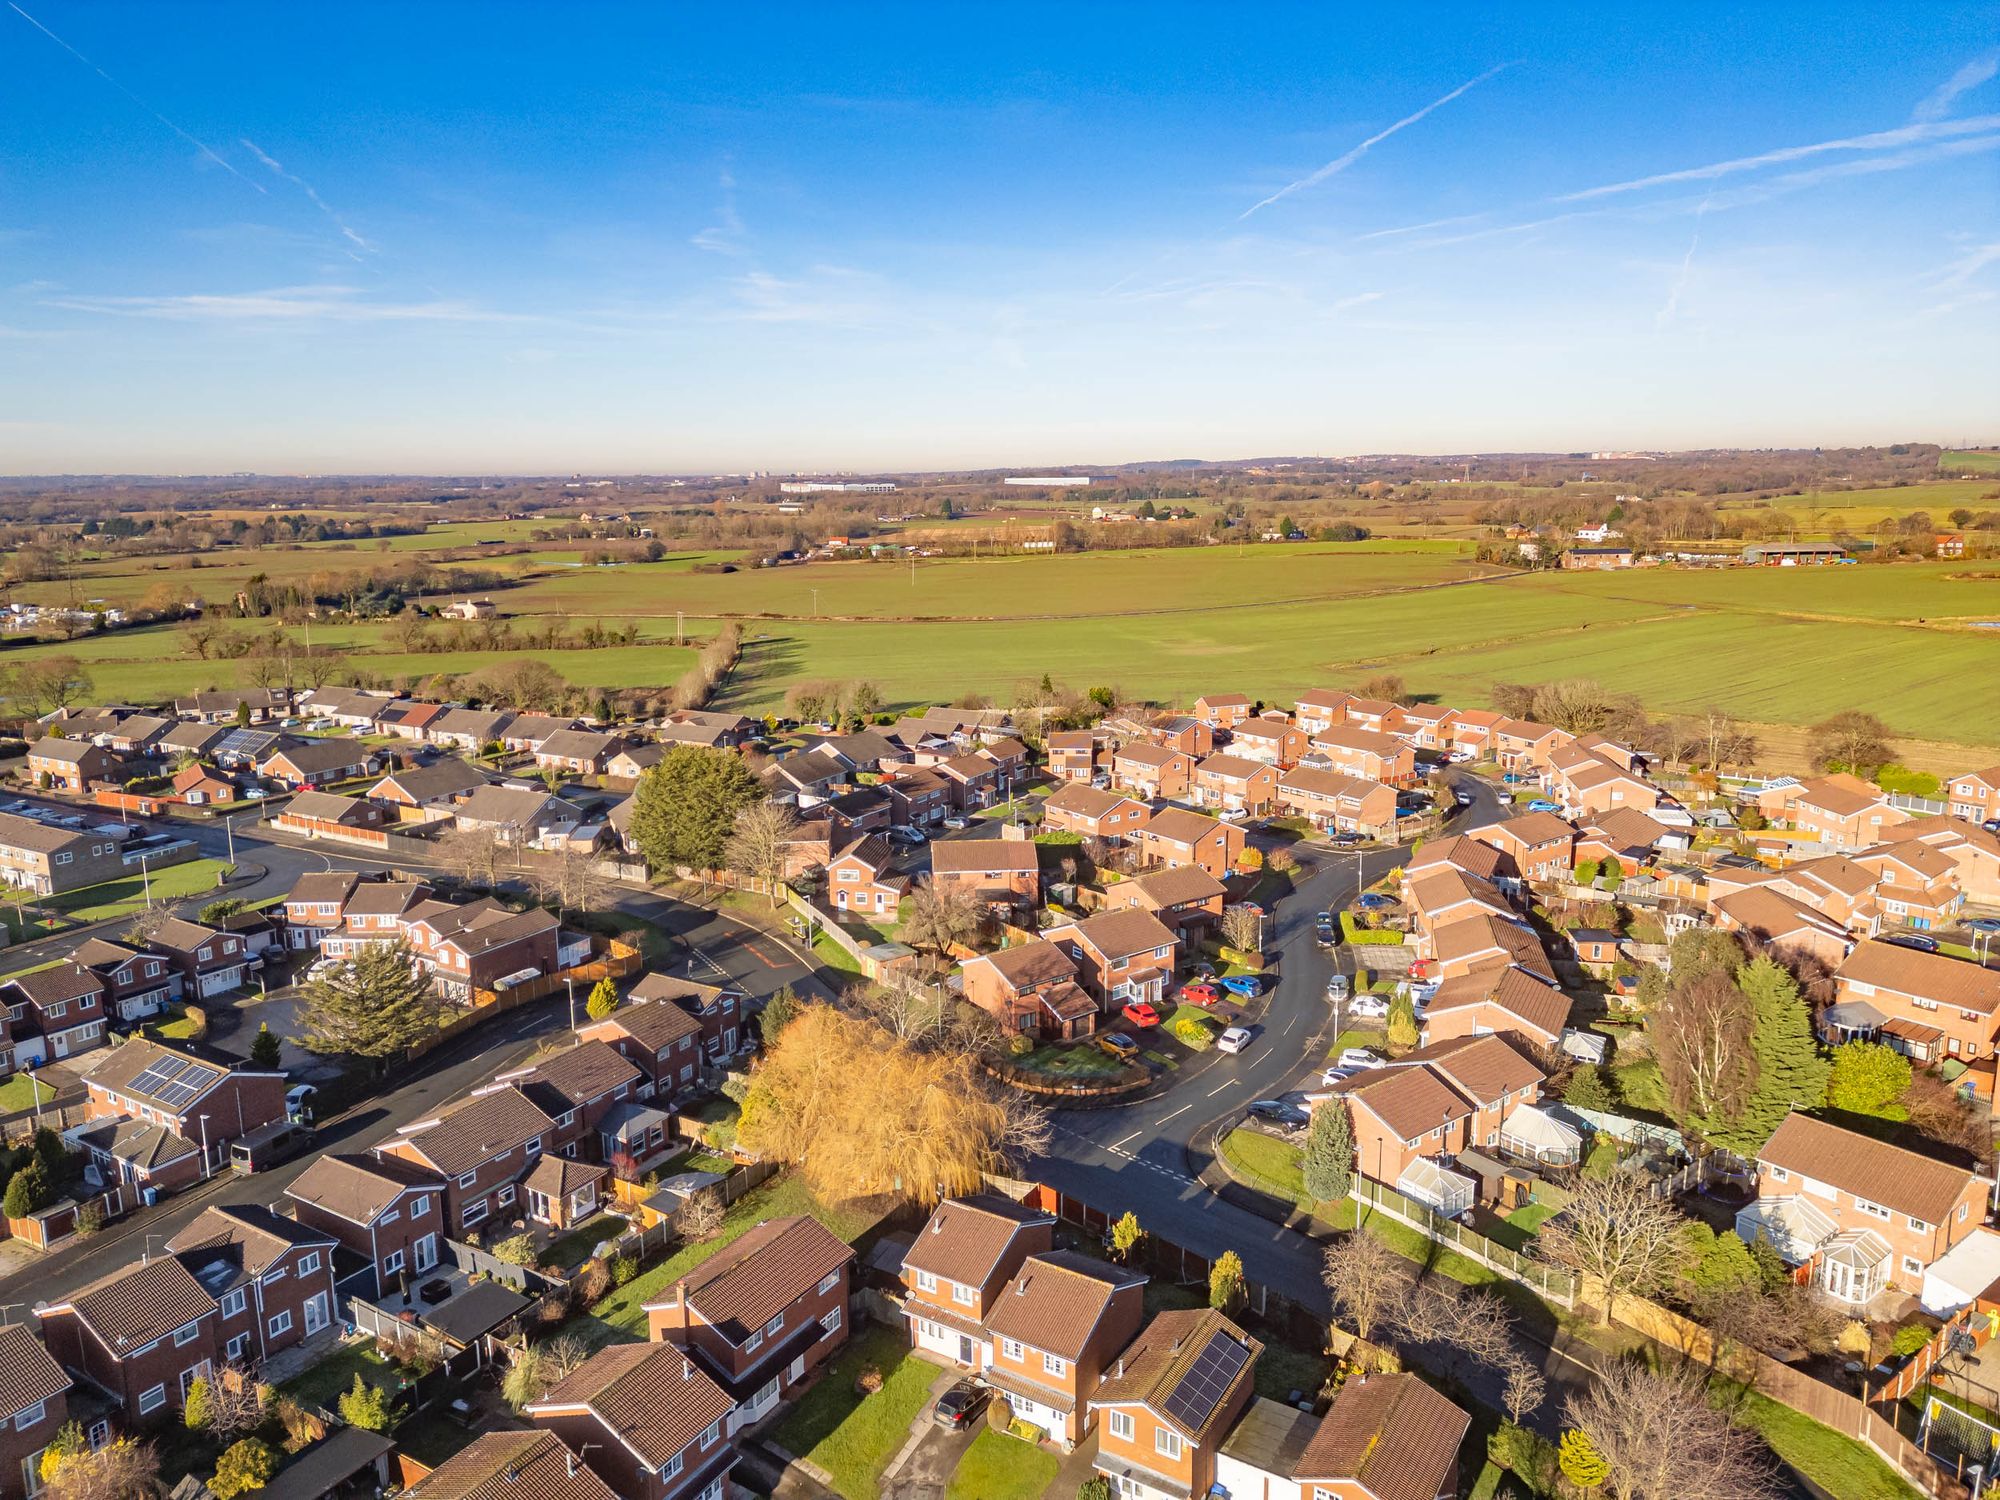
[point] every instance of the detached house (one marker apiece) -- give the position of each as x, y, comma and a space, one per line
1540, 845
200, 1103
1167, 1401
1235, 784
1841, 811
271, 1278
53, 1013
1222, 710
858, 877
1031, 989
1975, 795
580, 752
1503, 999
718, 1010
1365, 754
315, 763
1386, 1437
482, 1148
34, 1405
1153, 771
1179, 837
144, 1335
1344, 804
957, 1265
210, 962
659, 1038
1094, 813
918, 797
442, 784
1268, 741
518, 815
1926, 1005
763, 1313
1320, 710
646, 1420
1864, 1215
1054, 1331
1121, 956
1072, 754
1002, 873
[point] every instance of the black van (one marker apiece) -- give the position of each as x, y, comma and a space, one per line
265, 1147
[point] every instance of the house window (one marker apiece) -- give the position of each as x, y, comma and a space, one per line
1912, 1266
185, 1336
1011, 1348
1120, 1423
1915, 1222
1779, 1174
467, 1179
926, 1281
831, 1322
282, 1323
964, 1293
273, 1277
671, 1467
420, 1205
1873, 1210
754, 1342
506, 1195
392, 1263
152, 1399
1054, 1364
1167, 1441
309, 1263
388, 1218
774, 1327
472, 1213
710, 1434
233, 1303
28, 1416
236, 1348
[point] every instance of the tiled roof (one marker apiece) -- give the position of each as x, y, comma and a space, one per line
575, 1075
1036, 961
64, 981
1920, 1186
28, 1373
1410, 1101
656, 1024
470, 1133
1156, 756
983, 856
1163, 1360
1460, 852
510, 806
1541, 1007
1086, 801
1391, 1434
1177, 884
742, 1287
1056, 1299
1955, 982
1177, 825
133, 1056
558, 1176
321, 886
318, 755
248, 1229
359, 1188
512, 1466
651, 1396
1120, 934
1481, 1067
138, 1304
130, 1140
327, 807
966, 1238
26, 833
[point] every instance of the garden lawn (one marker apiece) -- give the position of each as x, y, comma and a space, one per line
121, 898
1208, 1023
1071, 1060
834, 956
1273, 1166
323, 1384
1842, 1467
851, 1436
623, 1309
1000, 1467
22, 1092
179, 1029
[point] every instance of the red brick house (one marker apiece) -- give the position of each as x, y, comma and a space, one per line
201, 1102
143, 1334
1179, 837
1336, 803
1232, 783
647, 1421
955, 1268
315, 763
34, 1404
858, 878
720, 1011
1054, 1331
1541, 845
1031, 988
763, 1313
1168, 1400
1502, 999
1121, 956
1185, 897
271, 1278
1153, 770
1094, 813
1072, 754
532, 1465
1365, 754
387, 1211
482, 1147
52, 1013
210, 962
70, 765
1269, 741
658, 1037
1222, 710
998, 872
1954, 1002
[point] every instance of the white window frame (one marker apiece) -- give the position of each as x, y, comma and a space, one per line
152, 1399
236, 1348
827, 1283
831, 1322
711, 1434
1120, 1424
926, 1281
185, 1336
776, 1326
1167, 1443
28, 1416
279, 1324
233, 1302
671, 1468
1054, 1364
1012, 1348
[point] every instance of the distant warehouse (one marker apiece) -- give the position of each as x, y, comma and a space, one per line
1051, 481
1793, 554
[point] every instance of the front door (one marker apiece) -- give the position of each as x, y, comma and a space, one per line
968, 1352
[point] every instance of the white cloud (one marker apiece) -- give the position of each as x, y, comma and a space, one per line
1937, 104
284, 305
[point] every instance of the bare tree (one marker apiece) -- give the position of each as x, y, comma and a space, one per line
1241, 927
1370, 1282
1662, 1439
475, 855
939, 916
758, 847
1469, 1329
1524, 1389
700, 1218
1850, 741
1701, 1035
567, 877
1616, 1233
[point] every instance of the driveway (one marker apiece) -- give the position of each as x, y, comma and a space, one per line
923, 1470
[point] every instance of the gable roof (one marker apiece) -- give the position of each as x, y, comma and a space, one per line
28, 1373
1176, 884
469, 1133
1087, 801
1056, 1300
748, 1282
1176, 825
570, 1078
1027, 964
1391, 1434
1121, 933
137, 1304
164, 1077
317, 755
515, 806
1410, 1101
532, 1465
1169, 1368
360, 1188
1483, 1068
651, 1397
653, 1024
1956, 982
1541, 1007
984, 856
246, 1230
1921, 1186
965, 1238
1460, 852
328, 807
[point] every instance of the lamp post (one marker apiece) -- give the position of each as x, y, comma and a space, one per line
206, 1167
571, 983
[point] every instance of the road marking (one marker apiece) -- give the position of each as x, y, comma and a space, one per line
1132, 1137
1181, 1111
1220, 1087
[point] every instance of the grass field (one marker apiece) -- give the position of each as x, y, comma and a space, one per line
123, 897
1973, 462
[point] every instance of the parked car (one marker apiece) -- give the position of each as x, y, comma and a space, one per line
1199, 994
298, 1099
1515, 778
1338, 987
1279, 1113
959, 1407
1462, 757
1916, 940
906, 834
1233, 815
1118, 1045
1542, 804
1357, 1057
1374, 901
1985, 926
1344, 840
1242, 984
956, 823
1141, 1013
1368, 1007
1235, 1039
1323, 931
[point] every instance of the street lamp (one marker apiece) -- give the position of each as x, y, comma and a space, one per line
206, 1167
570, 980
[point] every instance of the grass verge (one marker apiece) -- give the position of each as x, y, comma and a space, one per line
1000, 1467
851, 1436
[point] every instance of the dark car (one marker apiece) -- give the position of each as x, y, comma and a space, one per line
1278, 1112
1344, 840
1323, 932
959, 1407
1914, 940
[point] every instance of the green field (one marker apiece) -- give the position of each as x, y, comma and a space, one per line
1975, 461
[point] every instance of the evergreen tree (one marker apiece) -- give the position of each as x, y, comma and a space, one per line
54, 1157
198, 1409
376, 1006
603, 999
1868, 1078
264, 1051
245, 1465
365, 1406
1225, 1282
1329, 1153
1791, 1072
685, 808
1581, 1464
1402, 1023
778, 1012
1125, 1236
1588, 1089
27, 1191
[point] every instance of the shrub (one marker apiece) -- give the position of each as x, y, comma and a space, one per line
1586, 871
1589, 1089
1020, 1045
593, 1280
198, 1409
1194, 1033
1225, 1282
245, 1465
623, 1269
365, 1406
89, 1219
1911, 1337
516, 1250
1527, 1456
1097, 1487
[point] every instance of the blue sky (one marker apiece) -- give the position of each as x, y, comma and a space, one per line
524, 238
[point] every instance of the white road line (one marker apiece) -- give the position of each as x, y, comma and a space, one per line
1218, 1089
1132, 1137
1181, 1111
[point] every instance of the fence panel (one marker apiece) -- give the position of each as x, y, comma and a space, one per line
1547, 1281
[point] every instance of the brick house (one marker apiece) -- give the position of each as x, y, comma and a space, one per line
647, 1421
1914, 883
1222, 710
1974, 795
998, 872
1503, 999
387, 1211
1426, 726
1365, 755
579, 752
210, 962
481, 943
1234, 783
53, 1013
1031, 988
1484, 940
143, 1334
48, 861
1785, 923
1179, 837
1121, 956
1151, 771
1268, 741
1866, 1216
532, 1465
314, 906
1320, 709
517, 816
530, 732
470, 729
482, 1147
720, 1010
1386, 1437
315, 763
1541, 845
658, 1037
70, 765
1336, 803
1072, 754
1401, 1116
1185, 897
1476, 730
1181, 732
1094, 813
918, 796
1954, 1003
858, 877
1054, 1331
1168, 1400
190, 1097
1841, 811
957, 1265
442, 784
199, 786
328, 814
977, 780
763, 1313
271, 1278
34, 1404
1524, 745
1439, 895
1973, 851
576, 1087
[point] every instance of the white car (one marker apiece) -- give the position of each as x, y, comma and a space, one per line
1233, 815
1357, 1057
1235, 1039
955, 824
1368, 1006
1335, 1075
1461, 758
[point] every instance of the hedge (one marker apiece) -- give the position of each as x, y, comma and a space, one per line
1354, 932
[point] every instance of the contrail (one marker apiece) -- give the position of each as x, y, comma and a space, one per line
200, 146
1880, 140
1971, 76
305, 187
1342, 163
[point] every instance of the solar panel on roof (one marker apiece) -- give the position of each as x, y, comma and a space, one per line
1194, 1400
158, 1075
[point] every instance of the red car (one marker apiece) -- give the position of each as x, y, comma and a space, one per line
1141, 1013
1199, 994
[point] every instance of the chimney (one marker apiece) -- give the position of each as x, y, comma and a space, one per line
681, 1291
1121, 1367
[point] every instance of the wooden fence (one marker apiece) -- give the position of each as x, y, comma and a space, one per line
619, 960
